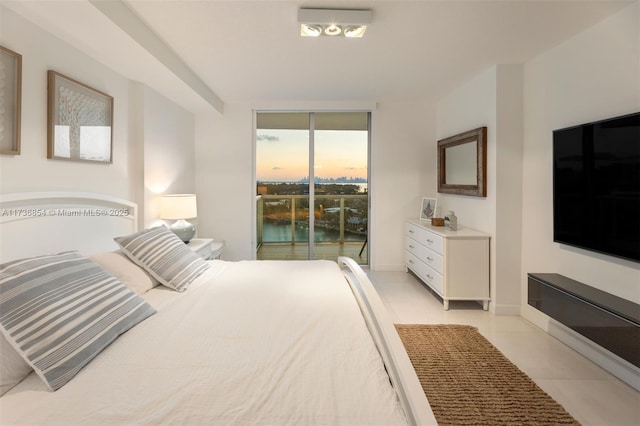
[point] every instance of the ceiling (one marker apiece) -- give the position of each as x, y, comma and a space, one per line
251, 51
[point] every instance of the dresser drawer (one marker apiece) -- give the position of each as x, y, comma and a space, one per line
432, 241
433, 280
412, 231
433, 260
414, 264
413, 247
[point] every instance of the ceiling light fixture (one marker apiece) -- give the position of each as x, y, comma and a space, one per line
333, 22
310, 30
354, 30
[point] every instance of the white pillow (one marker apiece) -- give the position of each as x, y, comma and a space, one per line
131, 275
165, 256
13, 369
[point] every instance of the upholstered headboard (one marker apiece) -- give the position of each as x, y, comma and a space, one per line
49, 222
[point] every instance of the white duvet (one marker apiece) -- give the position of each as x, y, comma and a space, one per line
249, 343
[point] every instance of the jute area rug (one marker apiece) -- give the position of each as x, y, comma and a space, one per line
469, 382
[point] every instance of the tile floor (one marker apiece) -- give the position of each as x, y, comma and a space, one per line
590, 394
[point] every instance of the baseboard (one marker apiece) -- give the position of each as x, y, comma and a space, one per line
388, 267
623, 370
504, 309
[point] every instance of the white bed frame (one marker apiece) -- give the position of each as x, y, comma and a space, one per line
397, 362
32, 224
36, 223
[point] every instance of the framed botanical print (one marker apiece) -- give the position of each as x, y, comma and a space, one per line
80, 121
428, 208
10, 101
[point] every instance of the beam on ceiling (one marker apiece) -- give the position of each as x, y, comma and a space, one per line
118, 12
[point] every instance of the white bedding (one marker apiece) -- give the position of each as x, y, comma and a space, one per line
252, 342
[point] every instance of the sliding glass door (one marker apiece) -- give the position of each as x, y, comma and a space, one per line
312, 185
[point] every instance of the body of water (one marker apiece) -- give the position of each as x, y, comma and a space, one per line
363, 186
276, 233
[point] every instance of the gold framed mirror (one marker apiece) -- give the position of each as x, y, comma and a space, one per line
462, 163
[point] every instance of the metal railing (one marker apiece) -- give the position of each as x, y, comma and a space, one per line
340, 217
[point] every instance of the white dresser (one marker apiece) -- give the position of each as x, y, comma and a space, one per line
455, 264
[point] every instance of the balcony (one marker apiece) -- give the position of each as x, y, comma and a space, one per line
340, 227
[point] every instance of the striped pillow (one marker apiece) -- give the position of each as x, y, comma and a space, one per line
60, 311
163, 255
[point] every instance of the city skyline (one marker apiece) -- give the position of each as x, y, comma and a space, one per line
320, 179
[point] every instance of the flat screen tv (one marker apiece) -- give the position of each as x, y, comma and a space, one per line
596, 186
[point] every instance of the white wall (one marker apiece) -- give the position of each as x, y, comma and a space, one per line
468, 107
402, 171
593, 76
224, 179
492, 98
508, 208
169, 152
153, 138
31, 170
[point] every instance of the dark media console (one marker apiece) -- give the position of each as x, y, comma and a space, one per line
608, 320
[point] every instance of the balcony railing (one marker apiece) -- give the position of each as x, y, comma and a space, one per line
337, 218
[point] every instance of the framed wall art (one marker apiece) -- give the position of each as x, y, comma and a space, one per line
80, 121
428, 208
10, 101
462, 163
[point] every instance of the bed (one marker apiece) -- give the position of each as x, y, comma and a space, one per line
248, 342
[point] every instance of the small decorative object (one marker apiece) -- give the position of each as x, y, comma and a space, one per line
451, 221
80, 121
179, 207
437, 221
10, 101
428, 208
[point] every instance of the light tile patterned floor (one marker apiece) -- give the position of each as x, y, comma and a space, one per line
592, 395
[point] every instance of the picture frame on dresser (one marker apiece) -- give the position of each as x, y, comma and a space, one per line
428, 208
79, 121
11, 96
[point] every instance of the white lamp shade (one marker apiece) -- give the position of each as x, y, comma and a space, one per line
178, 206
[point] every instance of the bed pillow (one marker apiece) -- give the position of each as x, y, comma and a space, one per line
121, 267
13, 369
60, 311
165, 256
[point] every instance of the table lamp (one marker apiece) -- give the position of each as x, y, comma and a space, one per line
179, 207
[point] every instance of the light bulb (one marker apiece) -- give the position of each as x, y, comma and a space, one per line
332, 30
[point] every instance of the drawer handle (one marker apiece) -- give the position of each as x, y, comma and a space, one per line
411, 231
411, 246
429, 259
429, 276
411, 261
429, 241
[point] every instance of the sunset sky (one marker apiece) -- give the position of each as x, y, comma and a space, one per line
282, 155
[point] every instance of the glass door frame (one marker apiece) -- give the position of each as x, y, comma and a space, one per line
311, 112
312, 185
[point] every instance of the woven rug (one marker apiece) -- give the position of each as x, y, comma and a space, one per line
469, 382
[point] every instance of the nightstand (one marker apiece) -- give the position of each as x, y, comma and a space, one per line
216, 249
206, 248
